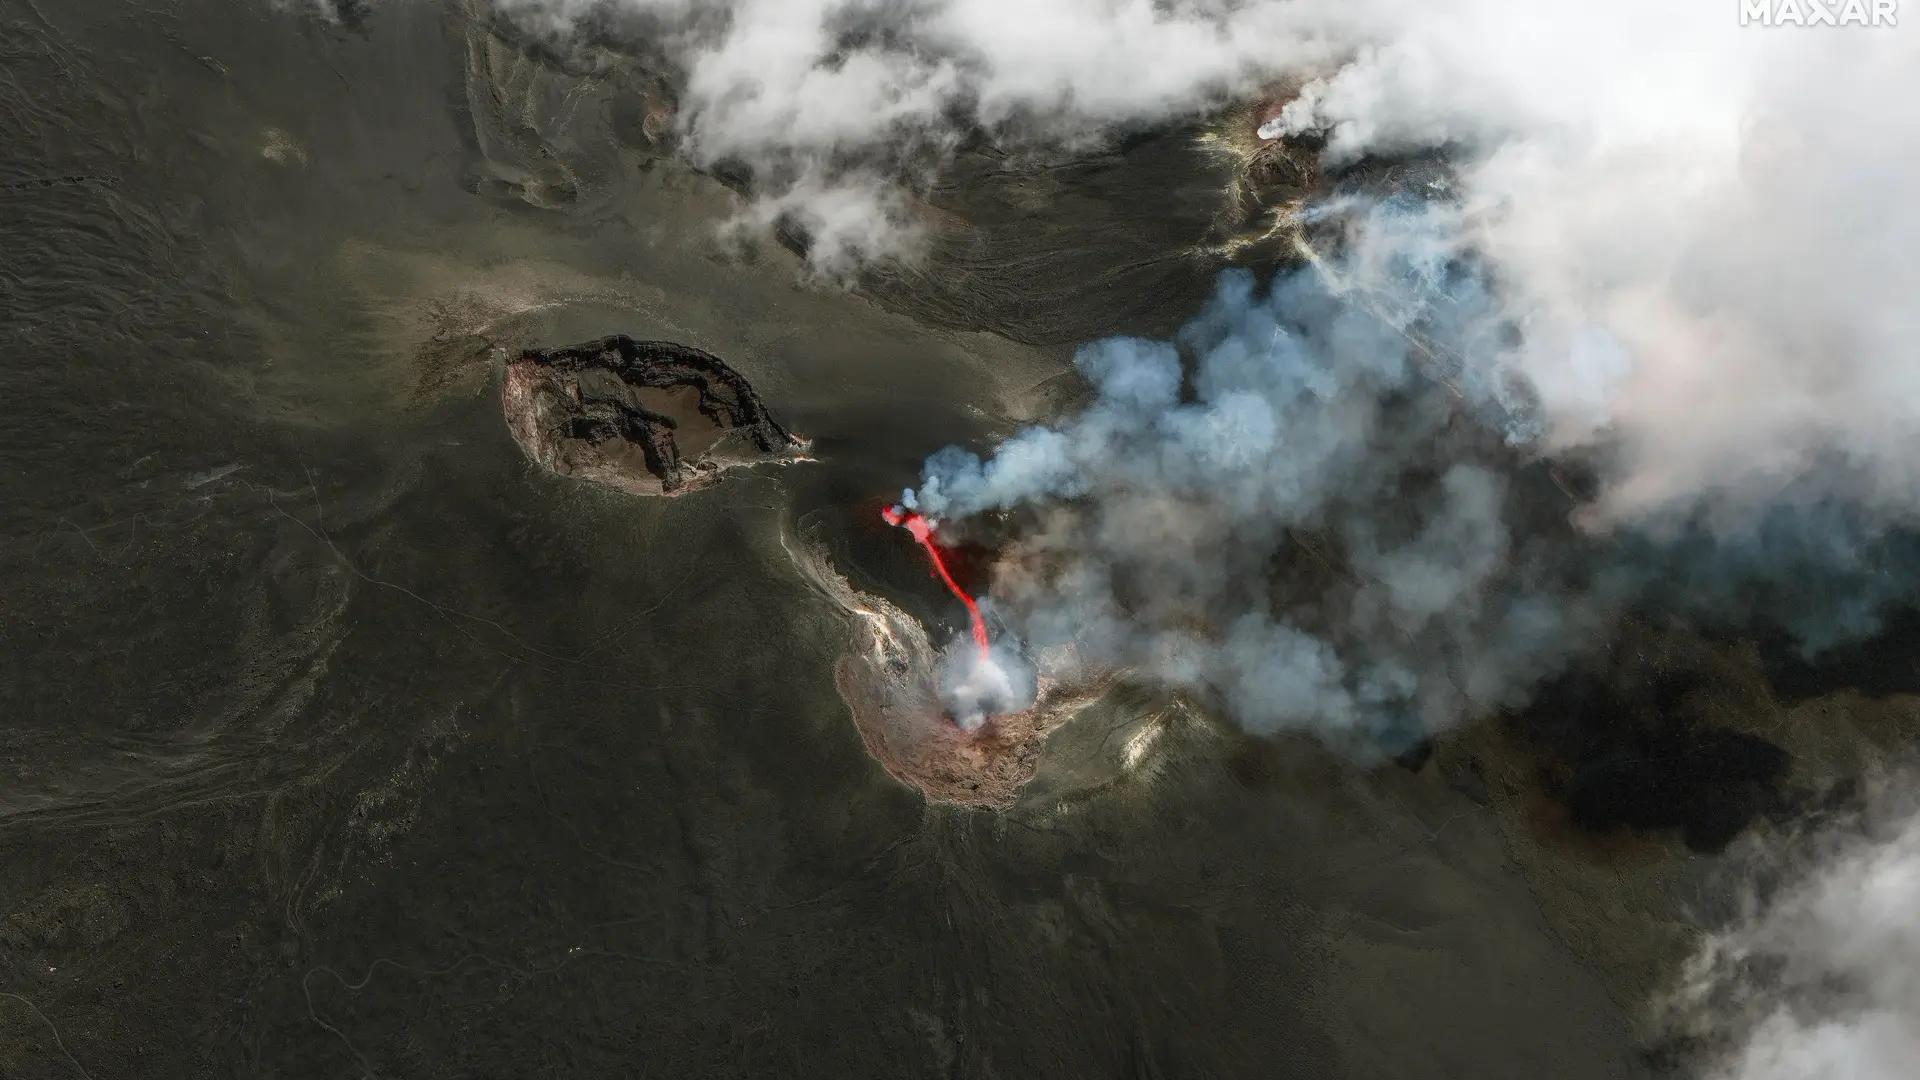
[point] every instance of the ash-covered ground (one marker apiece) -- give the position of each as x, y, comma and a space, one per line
337, 738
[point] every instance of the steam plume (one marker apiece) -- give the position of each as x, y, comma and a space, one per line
977, 685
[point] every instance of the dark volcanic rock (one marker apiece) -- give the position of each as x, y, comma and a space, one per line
1636, 748
648, 417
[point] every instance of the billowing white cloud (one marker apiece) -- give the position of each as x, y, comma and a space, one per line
1821, 981
819, 95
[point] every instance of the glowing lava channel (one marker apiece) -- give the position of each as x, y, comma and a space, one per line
922, 530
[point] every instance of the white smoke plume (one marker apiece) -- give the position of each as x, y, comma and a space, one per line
1820, 981
976, 687
1313, 534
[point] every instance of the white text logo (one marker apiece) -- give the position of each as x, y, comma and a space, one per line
1819, 12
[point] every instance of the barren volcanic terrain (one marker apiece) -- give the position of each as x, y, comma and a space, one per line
346, 732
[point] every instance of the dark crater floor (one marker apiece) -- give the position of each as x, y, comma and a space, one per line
647, 417
1637, 756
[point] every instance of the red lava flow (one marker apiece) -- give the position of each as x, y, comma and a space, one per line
922, 530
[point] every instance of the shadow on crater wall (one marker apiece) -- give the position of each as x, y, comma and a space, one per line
1634, 754
1881, 666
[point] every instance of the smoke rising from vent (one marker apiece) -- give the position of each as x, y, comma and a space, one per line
1317, 532
976, 685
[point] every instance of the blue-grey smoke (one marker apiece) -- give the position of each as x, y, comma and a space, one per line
1308, 521
1321, 505
1820, 569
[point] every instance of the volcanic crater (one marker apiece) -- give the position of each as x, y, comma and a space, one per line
645, 417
